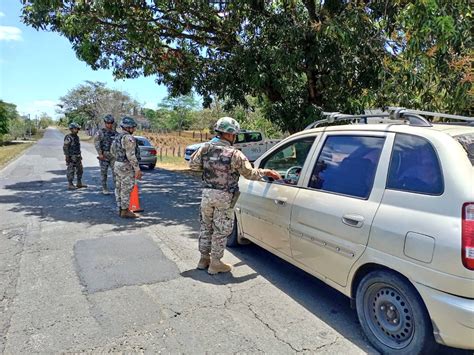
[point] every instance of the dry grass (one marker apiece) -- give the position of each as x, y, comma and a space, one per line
10, 151
174, 140
170, 148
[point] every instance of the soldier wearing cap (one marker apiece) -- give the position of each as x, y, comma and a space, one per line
72, 154
126, 153
222, 165
102, 141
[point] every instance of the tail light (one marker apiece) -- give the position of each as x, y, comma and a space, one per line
153, 151
468, 235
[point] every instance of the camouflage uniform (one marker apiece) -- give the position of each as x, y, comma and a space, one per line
222, 166
72, 151
103, 141
127, 154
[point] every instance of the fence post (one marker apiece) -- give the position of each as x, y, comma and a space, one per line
206, 136
179, 152
193, 134
174, 151
200, 136
166, 152
161, 154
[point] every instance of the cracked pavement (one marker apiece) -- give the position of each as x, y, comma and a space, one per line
76, 278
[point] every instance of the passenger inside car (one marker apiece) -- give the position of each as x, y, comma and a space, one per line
421, 171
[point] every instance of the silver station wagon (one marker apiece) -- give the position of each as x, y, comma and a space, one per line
382, 212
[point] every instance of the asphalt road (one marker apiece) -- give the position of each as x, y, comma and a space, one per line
75, 277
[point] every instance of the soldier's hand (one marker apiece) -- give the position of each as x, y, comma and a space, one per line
273, 174
67, 159
138, 175
101, 157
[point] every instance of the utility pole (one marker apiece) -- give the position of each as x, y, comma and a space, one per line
29, 125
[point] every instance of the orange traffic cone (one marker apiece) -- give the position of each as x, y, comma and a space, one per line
134, 204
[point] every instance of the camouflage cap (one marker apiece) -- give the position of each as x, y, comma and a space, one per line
128, 122
109, 119
73, 125
227, 125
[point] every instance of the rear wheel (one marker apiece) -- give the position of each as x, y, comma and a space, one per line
392, 314
151, 166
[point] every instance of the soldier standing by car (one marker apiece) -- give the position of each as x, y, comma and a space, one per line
72, 154
103, 140
126, 152
222, 166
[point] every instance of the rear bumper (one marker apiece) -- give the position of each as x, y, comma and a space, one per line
147, 160
452, 317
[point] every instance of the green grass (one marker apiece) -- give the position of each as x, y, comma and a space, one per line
10, 151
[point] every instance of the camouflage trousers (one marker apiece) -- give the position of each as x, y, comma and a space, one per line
217, 221
124, 181
104, 167
74, 166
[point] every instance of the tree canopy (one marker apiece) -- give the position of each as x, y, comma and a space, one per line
298, 57
91, 101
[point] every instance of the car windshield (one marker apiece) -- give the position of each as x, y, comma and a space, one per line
142, 142
467, 142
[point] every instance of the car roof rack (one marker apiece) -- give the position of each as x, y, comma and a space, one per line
391, 115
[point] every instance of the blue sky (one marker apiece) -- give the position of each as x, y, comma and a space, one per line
37, 68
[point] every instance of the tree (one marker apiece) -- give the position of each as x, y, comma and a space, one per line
8, 113
45, 121
297, 56
179, 109
90, 102
431, 48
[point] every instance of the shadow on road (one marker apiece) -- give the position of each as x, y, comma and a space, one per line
167, 198
221, 279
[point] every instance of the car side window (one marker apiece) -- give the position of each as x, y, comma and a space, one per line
289, 159
347, 165
414, 166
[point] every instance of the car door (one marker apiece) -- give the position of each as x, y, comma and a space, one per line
265, 207
332, 215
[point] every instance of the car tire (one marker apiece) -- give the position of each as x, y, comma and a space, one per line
393, 315
232, 239
151, 166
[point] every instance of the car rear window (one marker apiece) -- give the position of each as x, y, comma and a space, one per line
467, 142
143, 142
248, 137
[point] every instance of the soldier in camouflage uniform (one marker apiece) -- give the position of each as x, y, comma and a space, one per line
103, 140
72, 154
126, 153
222, 166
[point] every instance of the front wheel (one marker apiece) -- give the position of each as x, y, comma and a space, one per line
392, 314
233, 239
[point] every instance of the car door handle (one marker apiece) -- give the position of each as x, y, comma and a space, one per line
353, 220
280, 201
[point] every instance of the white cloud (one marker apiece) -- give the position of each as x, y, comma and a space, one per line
37, 107
2, 14
10, 33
